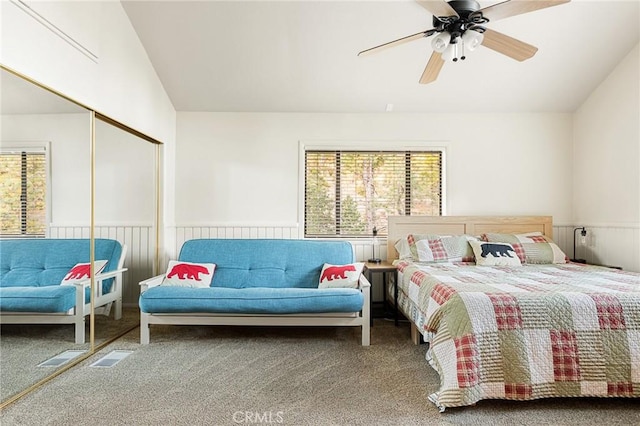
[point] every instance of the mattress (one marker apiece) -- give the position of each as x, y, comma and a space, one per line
525, 332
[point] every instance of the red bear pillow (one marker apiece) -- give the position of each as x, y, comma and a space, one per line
187, 274
333, 276
82, 272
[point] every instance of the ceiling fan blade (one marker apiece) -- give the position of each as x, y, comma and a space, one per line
431, 71
438, 7
508, 46
397, 42
517, 7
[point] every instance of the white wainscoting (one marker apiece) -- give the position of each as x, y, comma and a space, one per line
140, 242
606, 244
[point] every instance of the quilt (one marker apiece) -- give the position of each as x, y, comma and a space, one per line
525, 332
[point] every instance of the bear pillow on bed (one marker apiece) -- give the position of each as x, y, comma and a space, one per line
345, 276
532, 247
187, 274
494, 254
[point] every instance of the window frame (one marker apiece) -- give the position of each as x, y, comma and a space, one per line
365, 146
34, 147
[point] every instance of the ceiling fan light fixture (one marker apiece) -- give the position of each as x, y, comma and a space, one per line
472, 39
441, 41
450, 53
458, 28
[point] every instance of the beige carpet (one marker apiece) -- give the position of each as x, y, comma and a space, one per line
295, 376
24, 346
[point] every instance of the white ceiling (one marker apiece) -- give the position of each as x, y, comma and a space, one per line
301, 56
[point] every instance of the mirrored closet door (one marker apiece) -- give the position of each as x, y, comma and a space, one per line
100, 179
48, 137
126, 204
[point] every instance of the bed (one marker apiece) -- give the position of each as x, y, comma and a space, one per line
514, 331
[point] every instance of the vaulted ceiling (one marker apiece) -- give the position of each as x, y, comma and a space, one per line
301, 56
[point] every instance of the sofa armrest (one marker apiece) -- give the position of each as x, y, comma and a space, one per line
151, 282
101, 277
111, 274
363, 282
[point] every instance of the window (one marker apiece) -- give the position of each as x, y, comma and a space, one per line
23, 192
348, 193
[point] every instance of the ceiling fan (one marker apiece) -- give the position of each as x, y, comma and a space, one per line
459, 26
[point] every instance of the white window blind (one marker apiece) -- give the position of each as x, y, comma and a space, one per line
23, 192
348, 193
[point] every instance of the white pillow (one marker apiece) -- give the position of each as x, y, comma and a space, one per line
425, 254
334, 276
402, 247
82, 271
187, 274
494, 254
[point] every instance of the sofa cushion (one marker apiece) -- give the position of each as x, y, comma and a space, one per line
254, 300
53, 298
248, 263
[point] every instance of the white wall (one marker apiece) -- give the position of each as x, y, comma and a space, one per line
125, 177
120, 83
242, 168
606, 160
607, 141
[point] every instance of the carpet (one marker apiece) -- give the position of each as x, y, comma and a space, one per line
204, 375
24, 346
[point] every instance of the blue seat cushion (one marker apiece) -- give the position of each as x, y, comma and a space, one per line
53, 298
255, 300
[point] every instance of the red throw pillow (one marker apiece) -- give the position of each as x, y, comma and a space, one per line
333, 276
187, 274
82, 272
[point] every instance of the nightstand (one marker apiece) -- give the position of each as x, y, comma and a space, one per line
383, 268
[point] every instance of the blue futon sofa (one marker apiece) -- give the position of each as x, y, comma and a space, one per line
259, 282
31, 273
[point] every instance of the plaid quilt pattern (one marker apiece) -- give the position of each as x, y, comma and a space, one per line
535, 331
466, 360
438, 250
566, 363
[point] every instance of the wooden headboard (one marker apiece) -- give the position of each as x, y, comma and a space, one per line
400, 226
